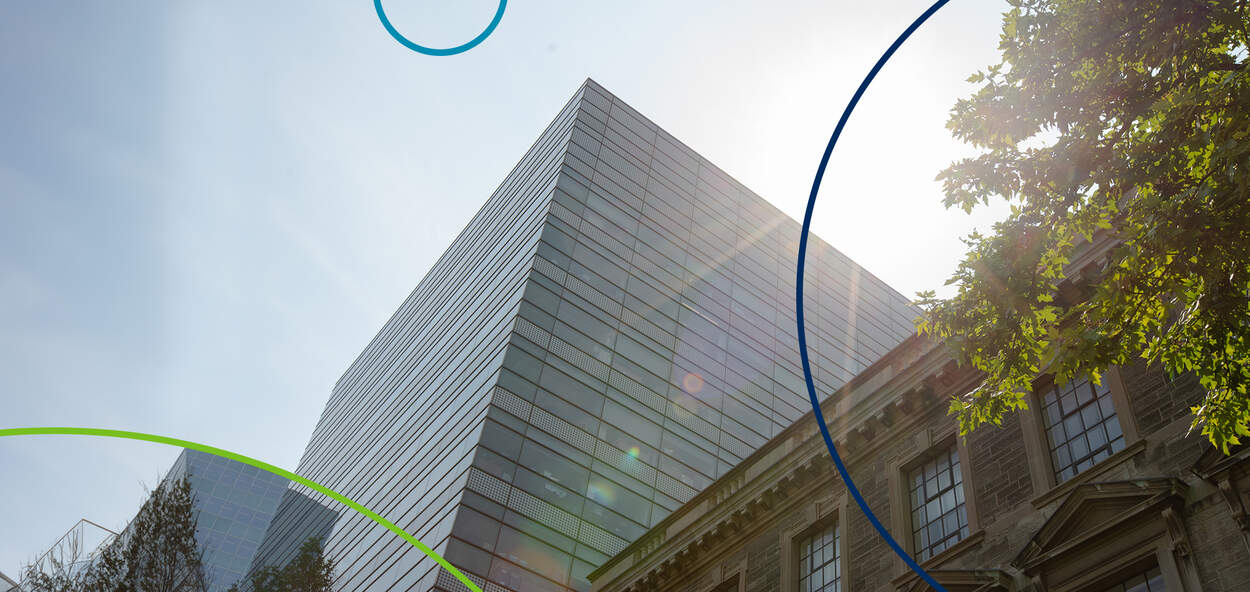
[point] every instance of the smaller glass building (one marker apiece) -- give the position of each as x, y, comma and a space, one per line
234, 503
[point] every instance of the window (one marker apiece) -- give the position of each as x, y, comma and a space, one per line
1150, 581
939, 517
820, 561
1081, 426
733, 584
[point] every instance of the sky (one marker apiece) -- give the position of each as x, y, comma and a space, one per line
208, 209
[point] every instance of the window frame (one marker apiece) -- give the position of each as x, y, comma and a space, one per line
1037, 445
1129, 572
817, 516
1084, 432
900, 498
728, 578
950, 449
832, 527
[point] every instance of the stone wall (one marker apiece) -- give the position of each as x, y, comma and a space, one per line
1009, 506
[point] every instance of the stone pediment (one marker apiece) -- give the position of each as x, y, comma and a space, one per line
960, 580
1092, 509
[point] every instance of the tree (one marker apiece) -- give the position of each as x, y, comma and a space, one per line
58, 570
309, 571
1128, 119
158, 552
57, 577
161, 553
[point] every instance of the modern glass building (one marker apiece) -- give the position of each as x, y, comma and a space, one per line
234, 503
305, 518
611, 332
74, 552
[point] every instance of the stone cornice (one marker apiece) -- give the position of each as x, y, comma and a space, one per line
912, 380
1213, 462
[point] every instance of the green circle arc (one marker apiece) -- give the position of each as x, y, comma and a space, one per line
336, 496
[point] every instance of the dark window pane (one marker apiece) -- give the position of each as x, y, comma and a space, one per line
1081, 426
938, 516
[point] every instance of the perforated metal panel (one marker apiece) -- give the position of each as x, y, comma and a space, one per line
488, 485
735, 446
579, 359
757, 392
565, 214
688, 419
622, 461
648, 328
449, 582
592, 295
512, 404
561, 429
545, 513
615, 246
601, 539
532, 332
585, 139
550, 270
636, 390
673, 488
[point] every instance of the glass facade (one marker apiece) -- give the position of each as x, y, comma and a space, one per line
297, 519
234, 503
611, 333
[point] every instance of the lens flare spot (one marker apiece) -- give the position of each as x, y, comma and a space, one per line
601, 493
693, 383
634, 451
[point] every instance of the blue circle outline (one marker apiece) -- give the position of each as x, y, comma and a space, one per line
798, 297
377, 4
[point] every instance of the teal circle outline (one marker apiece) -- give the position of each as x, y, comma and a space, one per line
377, 5
279, 471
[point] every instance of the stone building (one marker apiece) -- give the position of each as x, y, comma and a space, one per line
1095, 488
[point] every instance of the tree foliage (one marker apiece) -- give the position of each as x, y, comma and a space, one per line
58, 571
158, 552
1123, 119
309, 571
